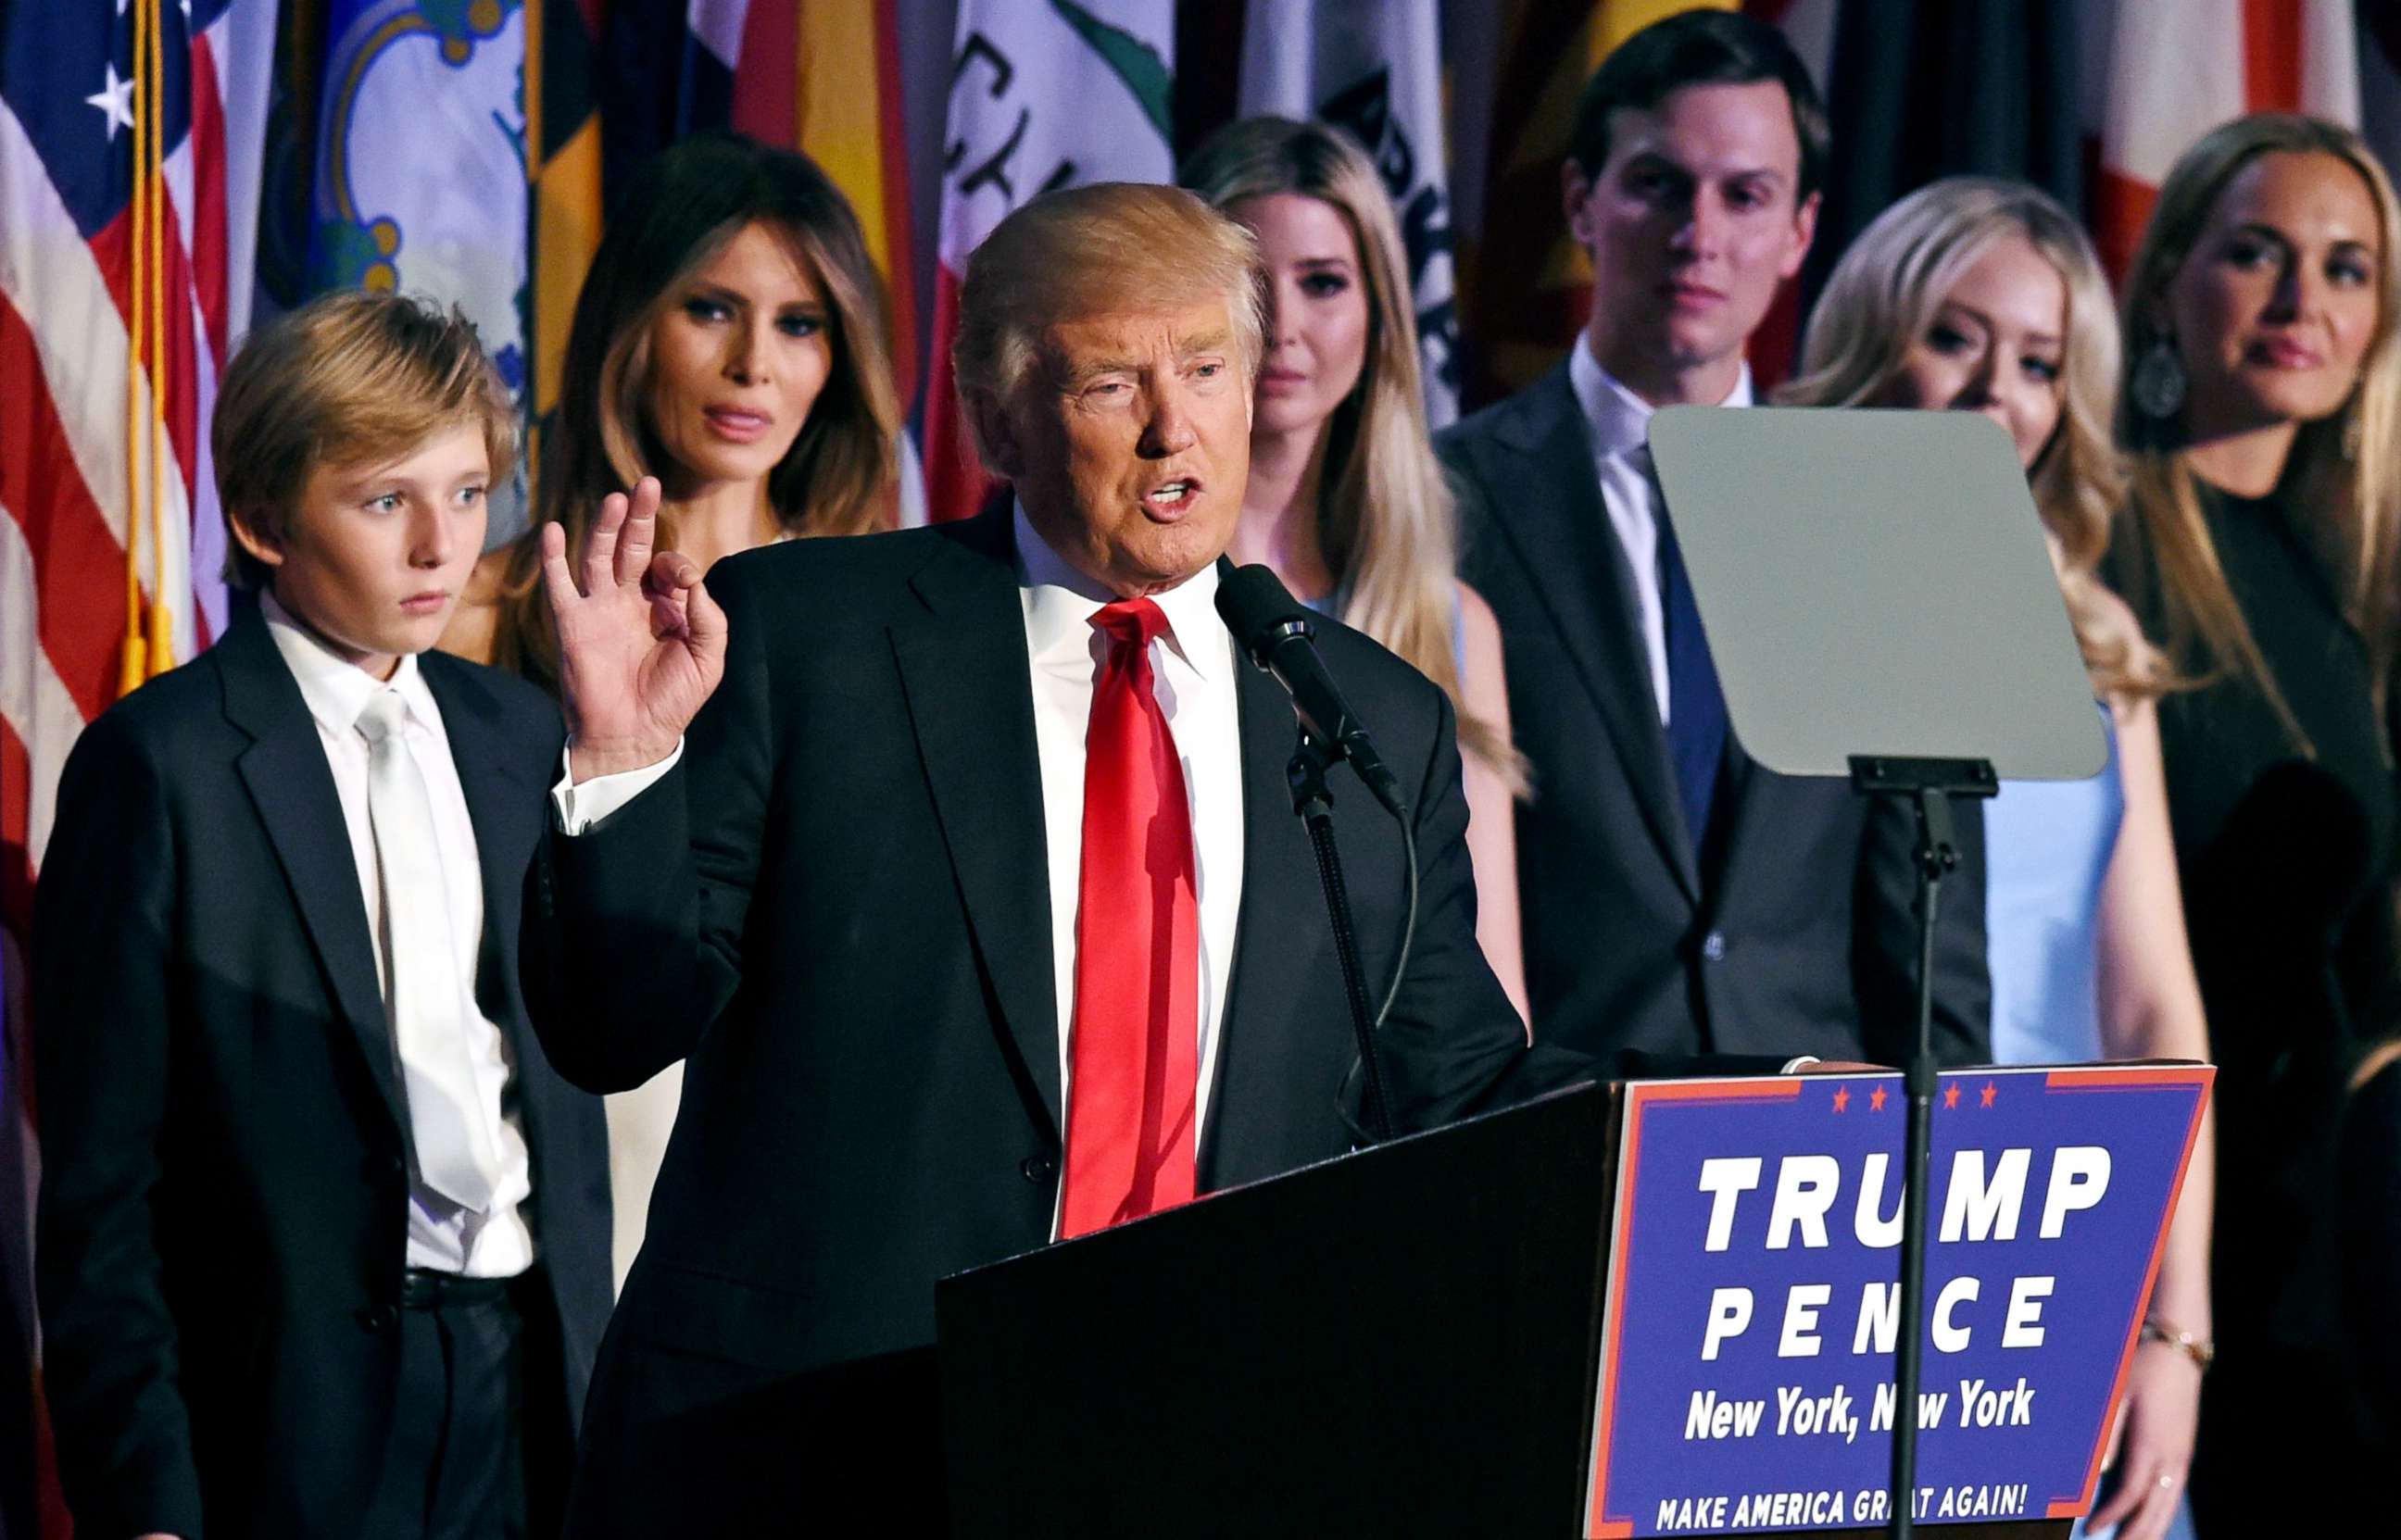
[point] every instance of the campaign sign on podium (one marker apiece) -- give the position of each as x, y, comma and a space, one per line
1746, 1380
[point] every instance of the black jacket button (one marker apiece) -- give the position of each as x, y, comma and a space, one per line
1038, 1169
376, 1319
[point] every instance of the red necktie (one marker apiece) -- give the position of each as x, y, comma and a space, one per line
1137, 1020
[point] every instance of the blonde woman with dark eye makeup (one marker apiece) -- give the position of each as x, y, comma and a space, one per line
1981, 295
1346, 500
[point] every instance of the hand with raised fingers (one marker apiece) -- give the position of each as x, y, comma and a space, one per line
640, 642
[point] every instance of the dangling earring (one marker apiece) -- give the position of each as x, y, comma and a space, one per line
2353, 430
2157, 386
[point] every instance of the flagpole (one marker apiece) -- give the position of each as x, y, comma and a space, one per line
158, 655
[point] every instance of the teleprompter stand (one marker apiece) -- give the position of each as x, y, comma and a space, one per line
1877, 581
1928, 786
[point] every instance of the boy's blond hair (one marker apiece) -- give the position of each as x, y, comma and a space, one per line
348, 378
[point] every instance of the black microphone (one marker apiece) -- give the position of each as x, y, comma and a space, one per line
1279, 634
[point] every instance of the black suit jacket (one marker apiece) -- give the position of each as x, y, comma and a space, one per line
1797, 932
838, 907
223, 1207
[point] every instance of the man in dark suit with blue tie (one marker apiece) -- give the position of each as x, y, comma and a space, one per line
1679, 897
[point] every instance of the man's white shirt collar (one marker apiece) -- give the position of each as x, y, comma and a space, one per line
1620, 419
1061, 601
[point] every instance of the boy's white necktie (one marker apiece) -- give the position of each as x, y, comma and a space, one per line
456, 1152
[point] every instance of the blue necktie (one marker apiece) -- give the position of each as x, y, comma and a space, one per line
1696, 713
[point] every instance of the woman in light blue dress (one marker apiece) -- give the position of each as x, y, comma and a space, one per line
1985, 297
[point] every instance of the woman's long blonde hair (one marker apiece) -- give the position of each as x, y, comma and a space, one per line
1385, 519
677, 211
1882, 298
2176, 572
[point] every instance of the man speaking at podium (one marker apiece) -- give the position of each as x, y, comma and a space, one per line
887, 837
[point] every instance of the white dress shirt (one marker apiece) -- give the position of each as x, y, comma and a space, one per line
1619, 422
496, 1244
1192, 668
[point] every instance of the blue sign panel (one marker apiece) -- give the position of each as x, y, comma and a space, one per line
1754, 1295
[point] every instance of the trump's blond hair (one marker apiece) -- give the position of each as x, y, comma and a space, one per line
1113, 248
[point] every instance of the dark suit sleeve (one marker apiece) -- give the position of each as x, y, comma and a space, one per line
103, 1023
632, 930
1885, 941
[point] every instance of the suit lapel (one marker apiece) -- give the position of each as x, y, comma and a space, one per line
293, 789
1590, 597
970, 696
1280, 887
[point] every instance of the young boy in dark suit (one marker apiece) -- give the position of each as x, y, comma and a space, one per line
323, 1240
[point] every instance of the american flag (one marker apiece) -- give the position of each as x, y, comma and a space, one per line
76, 483
98, 99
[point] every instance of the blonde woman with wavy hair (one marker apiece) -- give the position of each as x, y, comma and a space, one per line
2259, 419
1346, 499
1984, 296
1885, 297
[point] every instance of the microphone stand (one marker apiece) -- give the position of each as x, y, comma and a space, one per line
1314, 803
1928, 785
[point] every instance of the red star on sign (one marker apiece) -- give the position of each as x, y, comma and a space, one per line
1988, 1093
1842, 1097
1951, 1096
1875, 1100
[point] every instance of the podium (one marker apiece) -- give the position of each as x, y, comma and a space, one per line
1399, 1342
1408, 1340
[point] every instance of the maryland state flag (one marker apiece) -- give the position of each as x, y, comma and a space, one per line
562, 138
607, 86
825, 79
1529, 286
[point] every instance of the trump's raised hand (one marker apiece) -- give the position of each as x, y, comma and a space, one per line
640, 642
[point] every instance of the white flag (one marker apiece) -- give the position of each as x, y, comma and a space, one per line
2175, 69
1044, 94
1374, 67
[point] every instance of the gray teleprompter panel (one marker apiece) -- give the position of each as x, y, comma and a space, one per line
1876, 582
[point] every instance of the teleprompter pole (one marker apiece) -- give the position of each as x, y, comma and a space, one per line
1928, 785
